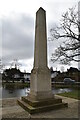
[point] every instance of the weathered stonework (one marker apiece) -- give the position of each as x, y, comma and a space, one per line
40, 85
40, 97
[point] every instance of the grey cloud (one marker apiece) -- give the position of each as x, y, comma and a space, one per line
17, 37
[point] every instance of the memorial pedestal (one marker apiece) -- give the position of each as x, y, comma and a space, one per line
42, 105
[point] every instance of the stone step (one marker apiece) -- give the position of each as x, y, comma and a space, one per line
42, 103
33, 110
25, 106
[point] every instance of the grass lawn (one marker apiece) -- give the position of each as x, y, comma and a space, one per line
16, 84
73, 94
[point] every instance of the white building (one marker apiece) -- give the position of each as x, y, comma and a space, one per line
27, 76
16, 76
54, 74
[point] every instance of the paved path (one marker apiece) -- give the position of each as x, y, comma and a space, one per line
12, 110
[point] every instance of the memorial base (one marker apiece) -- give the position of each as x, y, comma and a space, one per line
41, 105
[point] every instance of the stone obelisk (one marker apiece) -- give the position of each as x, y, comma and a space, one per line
40, 85
79, 16
40, 97
79, 11
79, 30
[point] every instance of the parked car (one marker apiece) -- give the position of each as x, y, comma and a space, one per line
68, 81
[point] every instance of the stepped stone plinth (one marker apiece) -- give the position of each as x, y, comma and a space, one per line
41, 105
40, 97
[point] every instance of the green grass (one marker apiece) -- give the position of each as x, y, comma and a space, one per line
16, 85
73, 94
66, 86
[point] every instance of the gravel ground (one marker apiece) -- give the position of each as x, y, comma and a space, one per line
10, 109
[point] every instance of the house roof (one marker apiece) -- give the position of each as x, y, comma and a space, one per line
72, 69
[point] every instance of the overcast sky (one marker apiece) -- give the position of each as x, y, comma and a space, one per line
17, 29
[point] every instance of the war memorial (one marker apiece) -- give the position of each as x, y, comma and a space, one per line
40, 97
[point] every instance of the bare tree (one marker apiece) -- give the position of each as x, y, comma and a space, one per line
15, 63
69, 32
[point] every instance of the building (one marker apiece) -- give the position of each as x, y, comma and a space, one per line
54, 74
72, 73
26, 76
